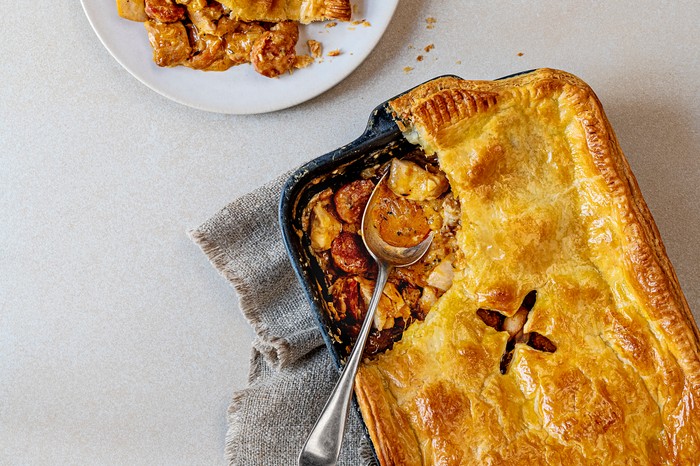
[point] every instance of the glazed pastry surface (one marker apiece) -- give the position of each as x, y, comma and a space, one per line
550, 209
304, 11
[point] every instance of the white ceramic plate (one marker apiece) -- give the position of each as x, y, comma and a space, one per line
241, 90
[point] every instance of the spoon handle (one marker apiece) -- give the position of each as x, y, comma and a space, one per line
322, 447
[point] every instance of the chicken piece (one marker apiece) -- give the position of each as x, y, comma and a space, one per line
427, 299
324, 227
442, 275
391, 304
165, 11
239, 43
205, 19
274, 51
226, 25
409, 180
209, 53
515, 323
171, 45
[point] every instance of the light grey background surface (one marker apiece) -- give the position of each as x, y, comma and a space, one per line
119, 343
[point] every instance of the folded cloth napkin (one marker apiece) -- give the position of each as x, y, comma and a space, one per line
291, 372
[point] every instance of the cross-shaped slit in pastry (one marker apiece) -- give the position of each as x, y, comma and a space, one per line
514, 326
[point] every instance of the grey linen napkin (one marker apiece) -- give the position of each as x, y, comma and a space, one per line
291, 372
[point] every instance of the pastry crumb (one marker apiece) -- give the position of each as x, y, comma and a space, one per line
459, 62
334, 53
407, 69
411, 47
351, 28
332, 24
315, 48
430, 22
429, 47
302, 61
520, 54
366, 23
419, 58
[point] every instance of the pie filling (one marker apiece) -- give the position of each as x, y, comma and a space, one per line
515, 326
415, 200
211, 36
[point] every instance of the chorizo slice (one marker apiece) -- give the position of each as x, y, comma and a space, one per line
351, 199
349, 254
165, 11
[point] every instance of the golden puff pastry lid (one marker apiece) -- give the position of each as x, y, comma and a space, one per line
548, 204
304, 11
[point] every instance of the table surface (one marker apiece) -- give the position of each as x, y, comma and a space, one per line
119, 343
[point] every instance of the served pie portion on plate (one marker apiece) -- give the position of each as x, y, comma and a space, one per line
564, 336
214, 35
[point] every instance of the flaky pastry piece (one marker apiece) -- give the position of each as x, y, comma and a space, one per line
557, 238
304, 11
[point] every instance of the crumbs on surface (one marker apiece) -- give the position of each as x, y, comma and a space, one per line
332, 24
427, 49
430, 22
315, 48
407, 69
520, 54
334, 53
364, 23
459, 62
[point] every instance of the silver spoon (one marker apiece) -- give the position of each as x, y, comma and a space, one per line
322, 447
